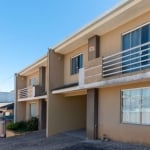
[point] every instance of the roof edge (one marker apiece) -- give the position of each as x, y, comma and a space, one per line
32, 65
87, 26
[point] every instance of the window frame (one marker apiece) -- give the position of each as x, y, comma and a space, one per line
138, 66
133, 29
141, 103
30, 116
73, 71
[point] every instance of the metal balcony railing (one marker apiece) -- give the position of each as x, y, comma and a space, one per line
133, 59
26, 92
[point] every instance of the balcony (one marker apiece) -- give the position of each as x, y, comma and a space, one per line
128, 61
117, 65
30, 92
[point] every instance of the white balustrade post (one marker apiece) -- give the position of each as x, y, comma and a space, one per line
81, 77
33, 91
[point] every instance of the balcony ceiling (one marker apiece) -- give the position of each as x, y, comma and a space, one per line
105, 23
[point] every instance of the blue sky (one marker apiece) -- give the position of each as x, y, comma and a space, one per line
29, 27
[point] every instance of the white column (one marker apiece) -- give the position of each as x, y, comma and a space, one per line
81, 77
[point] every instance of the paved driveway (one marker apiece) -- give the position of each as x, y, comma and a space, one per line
37, 141
74, 140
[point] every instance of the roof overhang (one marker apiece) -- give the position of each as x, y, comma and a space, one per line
119, 15
34, 67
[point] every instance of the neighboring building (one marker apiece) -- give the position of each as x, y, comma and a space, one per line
7, 104
99, 78
8, 110
31, 92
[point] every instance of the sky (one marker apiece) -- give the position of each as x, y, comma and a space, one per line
29, 27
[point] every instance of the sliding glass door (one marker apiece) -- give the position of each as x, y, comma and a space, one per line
136, 52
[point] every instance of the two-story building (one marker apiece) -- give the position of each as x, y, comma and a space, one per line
31, 92
107, 63
99, 78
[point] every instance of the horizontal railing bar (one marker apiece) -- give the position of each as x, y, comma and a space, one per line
25, 92
123, 61
138, 52
125, 70
127, 65
23, 89
139, 46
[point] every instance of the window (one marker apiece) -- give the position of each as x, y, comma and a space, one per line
32, 81
76, 64
139, 56
136, 106
33, 110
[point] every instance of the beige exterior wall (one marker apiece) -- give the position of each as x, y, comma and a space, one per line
20, 111
19, 106
37, 102
66, 113
46, 74
109, 121
33, 75
111, 42
63, 113
68, 78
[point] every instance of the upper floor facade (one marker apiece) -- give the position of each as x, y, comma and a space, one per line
114, 49
31, 82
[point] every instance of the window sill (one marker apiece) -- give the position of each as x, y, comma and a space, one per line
134, 124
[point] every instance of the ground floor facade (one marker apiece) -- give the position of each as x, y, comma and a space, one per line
119, 112
65, 113
124, 112
25, 110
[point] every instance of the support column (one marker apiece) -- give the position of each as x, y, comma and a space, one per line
42, 72
42, 114
92, 114
93, 47
19, 107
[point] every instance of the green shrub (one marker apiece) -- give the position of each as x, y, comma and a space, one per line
18, 126
30, 125
12, 126
22, 125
